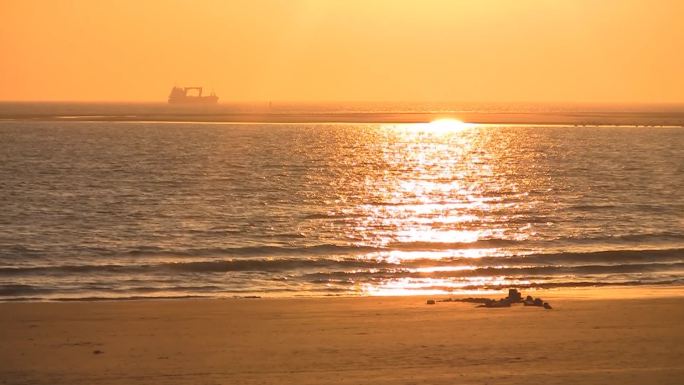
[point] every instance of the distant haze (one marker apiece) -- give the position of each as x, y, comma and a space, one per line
316, 50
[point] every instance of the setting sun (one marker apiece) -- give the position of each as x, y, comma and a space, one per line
448, 125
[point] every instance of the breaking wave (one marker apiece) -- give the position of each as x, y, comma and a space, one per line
572, 262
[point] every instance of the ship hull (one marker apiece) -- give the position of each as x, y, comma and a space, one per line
194, 100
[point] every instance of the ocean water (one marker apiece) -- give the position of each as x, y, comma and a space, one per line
152, 209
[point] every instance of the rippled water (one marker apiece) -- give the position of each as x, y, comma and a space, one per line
180, 209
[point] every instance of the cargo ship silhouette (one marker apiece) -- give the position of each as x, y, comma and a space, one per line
182, 95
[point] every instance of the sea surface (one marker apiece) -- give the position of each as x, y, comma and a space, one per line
171, 209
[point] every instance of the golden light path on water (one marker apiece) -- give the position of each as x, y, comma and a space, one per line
436, 193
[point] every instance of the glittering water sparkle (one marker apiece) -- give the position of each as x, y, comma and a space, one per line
154, 209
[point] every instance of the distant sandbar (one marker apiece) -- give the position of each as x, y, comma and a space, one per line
528, 118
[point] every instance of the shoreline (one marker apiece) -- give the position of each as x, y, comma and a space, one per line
596, 337
606, 292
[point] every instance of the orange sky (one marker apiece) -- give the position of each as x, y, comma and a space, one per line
353, 50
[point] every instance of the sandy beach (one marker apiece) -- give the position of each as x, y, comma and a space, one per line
592, 336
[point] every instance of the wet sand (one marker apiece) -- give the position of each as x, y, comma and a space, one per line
592, 336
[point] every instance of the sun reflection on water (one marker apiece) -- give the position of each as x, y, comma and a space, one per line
400, 257
431, 207
436, 286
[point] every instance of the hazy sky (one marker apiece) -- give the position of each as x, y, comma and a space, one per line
347, 50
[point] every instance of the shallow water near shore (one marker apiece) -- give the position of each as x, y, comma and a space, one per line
151, 209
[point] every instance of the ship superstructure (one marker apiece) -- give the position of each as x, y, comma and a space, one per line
191, 95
